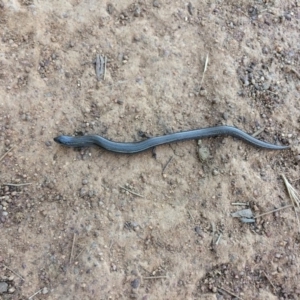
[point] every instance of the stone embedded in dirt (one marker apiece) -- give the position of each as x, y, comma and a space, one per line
204, 154
135, 283
3, 287
215, 172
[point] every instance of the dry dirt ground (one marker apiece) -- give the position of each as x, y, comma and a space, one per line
74, 232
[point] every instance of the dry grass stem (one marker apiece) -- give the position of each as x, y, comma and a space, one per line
154, 277
129, 191
229, 292
291, 191
17, 184
35, 294
240, 203
270, 281
6, 153
14, 272
205, 69
273, 210
259, 131
294, 197
72, 250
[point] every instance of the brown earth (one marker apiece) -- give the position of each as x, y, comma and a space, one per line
74, 232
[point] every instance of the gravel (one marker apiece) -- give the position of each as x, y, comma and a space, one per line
3, 287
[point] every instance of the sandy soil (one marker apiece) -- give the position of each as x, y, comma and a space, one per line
74, 232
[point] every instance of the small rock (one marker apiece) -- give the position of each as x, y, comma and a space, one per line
266, 85
199, 231
265, 50
91, 193
113, 267
156, 3
45, 291
110, 9
215, 172
203, 92
204, 154
190, 8
83, 192
137, 12
225, 116
135, 283
3, 287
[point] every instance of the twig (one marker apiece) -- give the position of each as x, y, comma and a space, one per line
205, 69
271, 211
6, 153
293, 71
117, 83
14, 272
104, 72
218, 239
240, 203
154, 277
270, 281
259, 131
71, 255
164, 168
191, 216
17, 184
35, 294
229, 292
136, 194
79, 253
111, 244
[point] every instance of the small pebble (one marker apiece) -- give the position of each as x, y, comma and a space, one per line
45, 291
113, 267
156, 3
83, 192
3, 287
203, 92
225, 116
215, 172
199, 231
203, 154
135, 283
